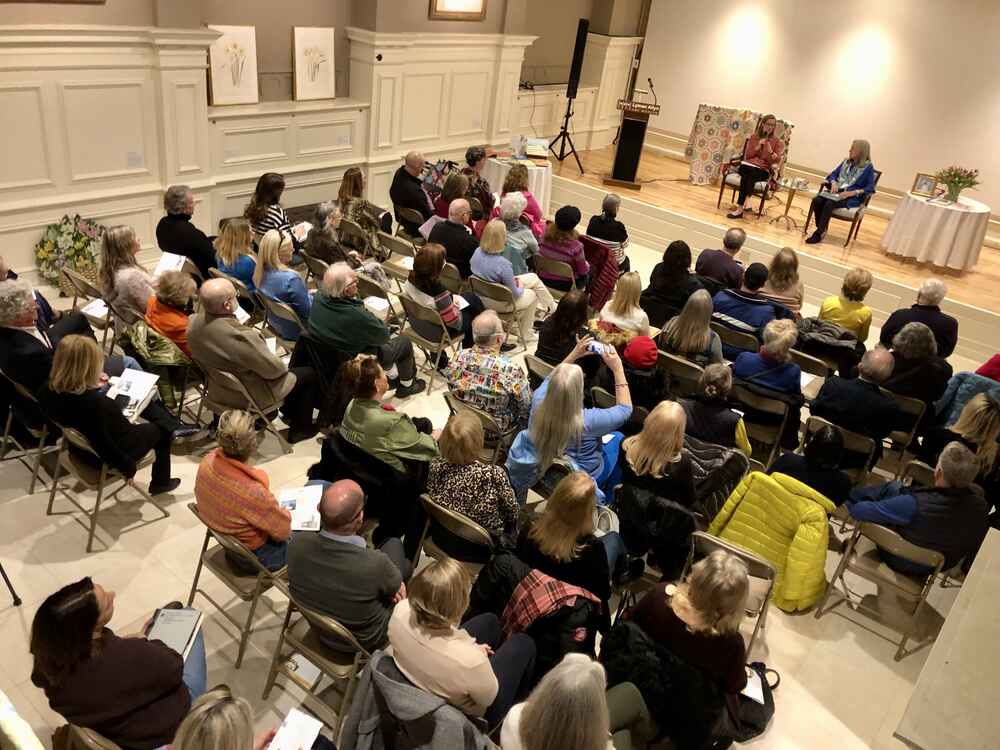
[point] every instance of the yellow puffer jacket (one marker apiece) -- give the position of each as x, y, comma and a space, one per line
785, 522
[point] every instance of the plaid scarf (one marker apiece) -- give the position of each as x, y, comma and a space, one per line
536, 596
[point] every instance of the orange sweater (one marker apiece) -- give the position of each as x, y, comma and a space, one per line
235, 499
168, 321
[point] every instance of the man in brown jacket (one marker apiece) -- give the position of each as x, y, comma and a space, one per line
219, 342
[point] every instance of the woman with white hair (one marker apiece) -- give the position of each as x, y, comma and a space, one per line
845, 187
570, 709
771, 366
605, 226
918, 371
521, 243
927, 310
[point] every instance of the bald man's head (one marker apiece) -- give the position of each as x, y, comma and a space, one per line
414, 162
876, 366
340, 507
458, 210
215, 296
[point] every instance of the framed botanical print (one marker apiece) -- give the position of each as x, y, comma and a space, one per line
313, 57
232, 60
457, 10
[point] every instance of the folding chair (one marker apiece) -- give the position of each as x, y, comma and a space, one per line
40, 434
276, 308
15, 599
447, 342
601, 398
555, 268
559, 470
315, 267
684, 374
95, 475
369, 287
354, 236
490, 426
458, 525
81, 738
768, 434
257, 410
452, 280
396, 245
736, 339
411, 216
854, 442
503, 304
83, 289
812, 365
248, 587
538, 369
901, 440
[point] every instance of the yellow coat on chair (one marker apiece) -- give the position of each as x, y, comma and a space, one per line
784, 521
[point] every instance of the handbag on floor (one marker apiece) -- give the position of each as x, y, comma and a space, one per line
754, 716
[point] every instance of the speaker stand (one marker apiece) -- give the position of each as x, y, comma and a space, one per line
564, 137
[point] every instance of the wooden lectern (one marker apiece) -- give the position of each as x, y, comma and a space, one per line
635, 118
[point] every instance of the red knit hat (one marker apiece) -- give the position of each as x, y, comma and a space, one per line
641, 353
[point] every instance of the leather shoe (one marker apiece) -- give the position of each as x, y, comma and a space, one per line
814, 239
734, 215
416, 386
508, 347
162, 489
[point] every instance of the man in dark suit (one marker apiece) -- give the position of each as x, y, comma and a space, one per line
722, 265
459, 243
926, 311
407, 190
176, 234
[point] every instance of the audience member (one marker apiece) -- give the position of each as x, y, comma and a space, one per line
73, 398
455, 188
167, 311
264, 211
50, 322
479, 188
340, 320
234, 498
234, 251
605, 226
670, 284
561, 242
709, 416
323, 241
690, 334
472, 666
949, 517
124, 283
819, 467
516, 181
917, 371
378, 429
346, 382
521, 244
648, 384
654, 459
698, 621
459, 481
483, 377
407, 191
783, 283
977, 428
219, 342
175, 232
623, 311
458, 240
335, 573
218, 720
744, 309
424, 287
351, 196
848, 310
845, 187
274, 279
722, 265
564, 328
772, 367
927, 310
133, 691
572, 709
761, 154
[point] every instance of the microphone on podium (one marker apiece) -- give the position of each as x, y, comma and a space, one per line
653, 90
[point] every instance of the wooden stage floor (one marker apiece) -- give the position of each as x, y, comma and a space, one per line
669, 188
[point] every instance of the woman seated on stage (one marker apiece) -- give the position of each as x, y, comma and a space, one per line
763, 151
846, 187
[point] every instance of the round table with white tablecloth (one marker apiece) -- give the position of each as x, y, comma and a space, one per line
949, 235
539, 178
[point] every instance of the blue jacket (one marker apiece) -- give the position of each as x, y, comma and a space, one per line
287, 287
243, 270
779, 376
961, 387
864, 181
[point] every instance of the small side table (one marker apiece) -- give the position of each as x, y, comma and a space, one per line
792, 188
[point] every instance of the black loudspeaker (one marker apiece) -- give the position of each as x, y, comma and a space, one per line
581, 46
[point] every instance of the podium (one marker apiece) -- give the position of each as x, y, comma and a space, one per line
635, 119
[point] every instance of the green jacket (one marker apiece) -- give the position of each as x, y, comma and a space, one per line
388, 435
346, 325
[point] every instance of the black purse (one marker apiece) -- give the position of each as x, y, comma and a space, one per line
754, 717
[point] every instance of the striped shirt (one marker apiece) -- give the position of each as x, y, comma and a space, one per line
274, 218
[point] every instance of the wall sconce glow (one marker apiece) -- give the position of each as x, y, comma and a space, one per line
748, 28
869, 49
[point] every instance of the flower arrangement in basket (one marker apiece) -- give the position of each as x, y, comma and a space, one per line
957, 179
73, 242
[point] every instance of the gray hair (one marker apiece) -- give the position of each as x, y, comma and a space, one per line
486, 326
558, 421
337, 278
734, 239
864, 149
236, 434
958, 465
915, 341
323, 212
876, 366
931, 292
610, 204
512, 205
175, 199
17, 300
568, 707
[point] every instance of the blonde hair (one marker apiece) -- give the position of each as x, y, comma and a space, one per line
439, 594
235, 239
461, 439
117, 252
660, 441
779, 338
626, 295
494, 237
979, 423
569, 515
218, 720
236, 434
76, 366
713, 597
865, 148
857, 283
568, 708
175, 288
558, 420
269, 254
690, 331
784, 271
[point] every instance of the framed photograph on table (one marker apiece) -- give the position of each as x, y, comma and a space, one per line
924, 185
314, 67
232, 62
457, 10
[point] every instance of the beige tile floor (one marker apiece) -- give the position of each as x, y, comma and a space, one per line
840, 687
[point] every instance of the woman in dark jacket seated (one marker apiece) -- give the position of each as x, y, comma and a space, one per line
670, 284
918, 372
133, 691
819, 468
709, 415
977, 428
559, 334
654, 460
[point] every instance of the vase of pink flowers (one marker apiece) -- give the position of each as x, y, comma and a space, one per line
955, 180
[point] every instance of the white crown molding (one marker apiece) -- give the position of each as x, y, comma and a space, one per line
83, 34
405, 39
293, 108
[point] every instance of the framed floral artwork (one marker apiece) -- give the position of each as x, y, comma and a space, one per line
232, 62
314, 68
457, 10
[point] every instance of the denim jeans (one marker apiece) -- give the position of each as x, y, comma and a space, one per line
195, 669
272, 554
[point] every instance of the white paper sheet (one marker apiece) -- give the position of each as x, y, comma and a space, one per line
297, 731
303, 502
168, 262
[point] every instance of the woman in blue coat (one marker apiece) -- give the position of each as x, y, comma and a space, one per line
845, 187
